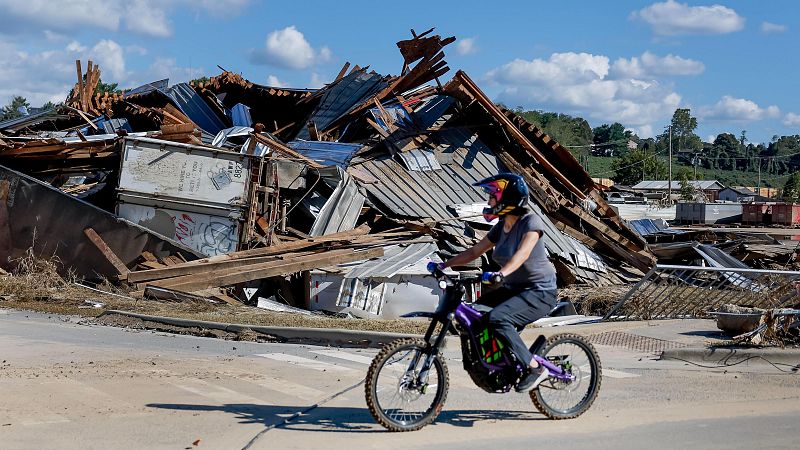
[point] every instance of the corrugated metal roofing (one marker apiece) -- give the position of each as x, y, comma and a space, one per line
240, 115
160, 85
652, 226
664, 184
341, 211
394, 259
419, 159
326, 153
464, 160
193, 105
341, 96
29, 120
114, 125
428, 194
431, 110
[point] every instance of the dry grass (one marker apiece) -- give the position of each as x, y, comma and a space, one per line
36, 285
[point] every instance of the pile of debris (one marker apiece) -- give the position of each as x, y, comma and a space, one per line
330, 198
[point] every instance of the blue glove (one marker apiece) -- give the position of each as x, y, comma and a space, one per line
492, 278
432, 266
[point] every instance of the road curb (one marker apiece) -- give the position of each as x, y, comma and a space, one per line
313, 336
726, 356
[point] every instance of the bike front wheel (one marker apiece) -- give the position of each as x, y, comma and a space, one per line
397, 397
558, 399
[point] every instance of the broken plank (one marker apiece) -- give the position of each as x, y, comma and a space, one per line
185, 269
101, 245
259, 271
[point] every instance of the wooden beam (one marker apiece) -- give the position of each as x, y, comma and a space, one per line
229, 277
101, 245
177, 270
509, 127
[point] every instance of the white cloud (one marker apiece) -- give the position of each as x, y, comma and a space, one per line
49, 75
317, 81
136, 50
466, 46
111, 59
51, 36
225, 7
737, 110
580, 84
39, 77
273, 81
561, 68
671, 18
162, 68
791, 120
147, 17
288, 48
769, 27
650, 65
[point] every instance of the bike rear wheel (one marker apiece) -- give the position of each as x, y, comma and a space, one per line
396, 397
566, 400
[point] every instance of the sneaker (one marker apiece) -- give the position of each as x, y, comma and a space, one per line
532, 379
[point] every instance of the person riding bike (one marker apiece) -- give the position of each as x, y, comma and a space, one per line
528, 290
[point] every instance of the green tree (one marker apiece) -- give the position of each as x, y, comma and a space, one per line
197, 81
638, 165
784, 155
683, 137
102, 88
567, 130
791, 190
686, 190
724, 151
610, 140
11, 110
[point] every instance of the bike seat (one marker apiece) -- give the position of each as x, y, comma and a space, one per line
480, 308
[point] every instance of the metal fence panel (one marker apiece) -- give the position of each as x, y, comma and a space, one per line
673, 292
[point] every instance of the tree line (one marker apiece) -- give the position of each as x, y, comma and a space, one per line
635, 159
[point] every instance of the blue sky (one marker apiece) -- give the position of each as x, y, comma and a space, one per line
633, 62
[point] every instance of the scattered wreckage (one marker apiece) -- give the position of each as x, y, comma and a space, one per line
325, 198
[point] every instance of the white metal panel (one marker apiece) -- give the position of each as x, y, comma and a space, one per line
182, 171
209, 235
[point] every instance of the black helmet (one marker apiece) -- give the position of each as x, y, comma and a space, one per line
509, 191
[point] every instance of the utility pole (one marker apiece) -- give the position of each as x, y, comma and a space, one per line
758, 160
669, 183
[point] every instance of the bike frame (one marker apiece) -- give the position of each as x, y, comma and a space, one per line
452, 308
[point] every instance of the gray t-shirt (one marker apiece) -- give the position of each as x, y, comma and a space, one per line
537, 272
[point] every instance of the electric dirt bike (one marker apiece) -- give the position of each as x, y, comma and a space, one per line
407, 381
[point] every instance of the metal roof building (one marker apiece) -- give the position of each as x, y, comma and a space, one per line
662, 185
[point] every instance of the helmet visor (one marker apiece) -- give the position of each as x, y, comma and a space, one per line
495, 188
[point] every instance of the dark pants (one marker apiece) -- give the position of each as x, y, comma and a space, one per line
517, 308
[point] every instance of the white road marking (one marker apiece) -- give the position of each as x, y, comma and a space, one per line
344, 355
217, 393
46, 419
618, 374
304, 362
287, 387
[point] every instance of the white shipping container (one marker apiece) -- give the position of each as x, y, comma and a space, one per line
184, 172
208, 234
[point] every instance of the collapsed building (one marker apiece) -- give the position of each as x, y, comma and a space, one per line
330, 198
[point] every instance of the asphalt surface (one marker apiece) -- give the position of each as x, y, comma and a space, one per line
691, 340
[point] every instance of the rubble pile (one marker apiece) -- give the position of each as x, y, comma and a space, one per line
330, 198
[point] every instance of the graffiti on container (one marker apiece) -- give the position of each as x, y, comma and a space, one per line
209, 236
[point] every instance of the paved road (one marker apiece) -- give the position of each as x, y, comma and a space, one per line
67, 385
